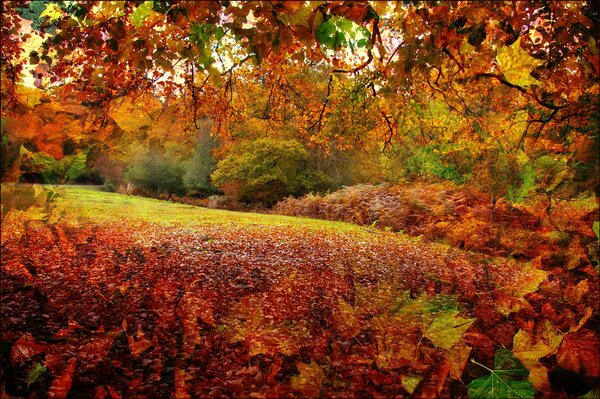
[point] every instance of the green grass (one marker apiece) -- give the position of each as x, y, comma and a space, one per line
89, 204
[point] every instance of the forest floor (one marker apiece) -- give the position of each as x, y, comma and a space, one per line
106, 295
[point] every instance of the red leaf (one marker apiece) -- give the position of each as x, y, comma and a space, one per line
579, 353
25, 348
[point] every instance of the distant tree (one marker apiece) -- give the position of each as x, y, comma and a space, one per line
199, 168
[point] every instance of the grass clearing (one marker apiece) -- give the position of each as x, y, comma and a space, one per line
88, 204
98, 206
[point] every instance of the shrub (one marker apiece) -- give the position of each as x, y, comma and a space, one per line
427, 161
450, 213
109, 186
267, 170
157, 174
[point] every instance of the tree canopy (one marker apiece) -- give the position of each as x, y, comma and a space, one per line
439, 86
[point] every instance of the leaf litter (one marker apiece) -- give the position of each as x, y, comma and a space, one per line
142, 309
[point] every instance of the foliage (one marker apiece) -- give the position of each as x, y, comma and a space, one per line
44, 168
506, 380
427, 161
267, 170
199, 168
157, 174
486, 114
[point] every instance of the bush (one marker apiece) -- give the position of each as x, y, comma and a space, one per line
157, 174
109, 186
426, 161
449, 213
267, 170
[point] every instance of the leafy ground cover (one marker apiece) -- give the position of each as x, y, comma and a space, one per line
560, 234
107, 296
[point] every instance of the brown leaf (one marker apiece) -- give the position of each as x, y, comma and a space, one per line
458, 357
140, 344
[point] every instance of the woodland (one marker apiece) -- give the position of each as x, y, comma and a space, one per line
300, 199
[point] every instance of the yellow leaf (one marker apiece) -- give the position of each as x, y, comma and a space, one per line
309, 381
516, 64
529, 349
446, 329
29, 96
52, 11
109, 9
410, 382
466, 48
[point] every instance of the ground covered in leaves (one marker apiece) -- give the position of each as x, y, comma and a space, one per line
110, 296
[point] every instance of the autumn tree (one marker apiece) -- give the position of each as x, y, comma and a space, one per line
462, 78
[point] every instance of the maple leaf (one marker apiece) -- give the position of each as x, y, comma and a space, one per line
410, 382
506, 380
516, 64
529, 349
52, 11
309, 381
447, 329
510, 298
141, 13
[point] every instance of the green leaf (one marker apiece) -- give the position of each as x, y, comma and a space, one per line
507, 380
141, 13
516, 64
596, 228
339, 32
36, 372
446, 329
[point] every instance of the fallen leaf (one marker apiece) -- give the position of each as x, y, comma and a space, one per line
447, 329
62, 384
508, 379
529, 349
410, 382
579, 353
309, 381
25, 348
458, 357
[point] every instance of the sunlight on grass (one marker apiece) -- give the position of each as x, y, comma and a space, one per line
83, 203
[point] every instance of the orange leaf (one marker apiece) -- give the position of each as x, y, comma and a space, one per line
62, 384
